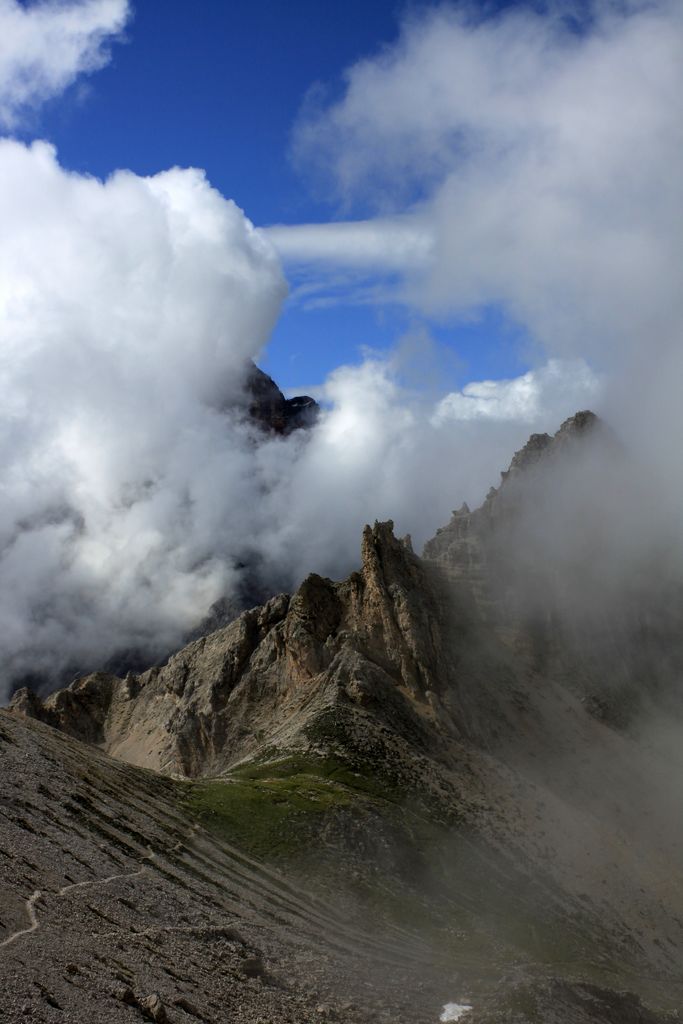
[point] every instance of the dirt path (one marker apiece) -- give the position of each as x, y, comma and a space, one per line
32, 916
30, 905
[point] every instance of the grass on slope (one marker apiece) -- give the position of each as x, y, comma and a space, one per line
273, 809
316, 811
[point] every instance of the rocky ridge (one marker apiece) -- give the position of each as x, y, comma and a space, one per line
448, 725
269, 408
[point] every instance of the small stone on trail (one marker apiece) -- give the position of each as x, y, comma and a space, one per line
153, 1008
124, 995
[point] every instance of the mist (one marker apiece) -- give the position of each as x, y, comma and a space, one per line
136, 492
530, 161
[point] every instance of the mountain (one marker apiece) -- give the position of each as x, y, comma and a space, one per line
454, 759
269, 408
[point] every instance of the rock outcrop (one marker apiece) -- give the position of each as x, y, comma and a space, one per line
470, 545
269, 408
264, 677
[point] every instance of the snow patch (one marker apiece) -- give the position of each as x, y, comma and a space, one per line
454, 1011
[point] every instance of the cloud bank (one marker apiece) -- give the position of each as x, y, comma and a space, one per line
45, 46
536, 167
128, 309
533, 396
134, 490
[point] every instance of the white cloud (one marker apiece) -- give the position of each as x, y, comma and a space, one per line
398, 244
538, 169
45, 46
554, 390
127, 312
131, 491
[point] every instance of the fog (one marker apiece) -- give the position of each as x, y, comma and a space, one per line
533, 160
579, 550
136, 491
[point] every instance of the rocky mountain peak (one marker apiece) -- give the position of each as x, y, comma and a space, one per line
539, 448
579, 423
530, 453
574, 429
271, 410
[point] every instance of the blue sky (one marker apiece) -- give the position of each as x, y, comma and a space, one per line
219, 86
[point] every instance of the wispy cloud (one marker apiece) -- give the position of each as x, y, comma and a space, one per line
45, 45
391, 244
526, 165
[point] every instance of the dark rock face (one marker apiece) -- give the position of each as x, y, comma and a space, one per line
539, 561
269, 408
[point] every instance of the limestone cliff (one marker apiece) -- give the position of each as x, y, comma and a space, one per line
264, 677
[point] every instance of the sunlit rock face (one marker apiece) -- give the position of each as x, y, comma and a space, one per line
270, 671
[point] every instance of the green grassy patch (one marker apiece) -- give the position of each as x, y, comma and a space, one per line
346, 830
299, 770
273, 810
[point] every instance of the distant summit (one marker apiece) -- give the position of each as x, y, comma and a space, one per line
541, 445
271, 410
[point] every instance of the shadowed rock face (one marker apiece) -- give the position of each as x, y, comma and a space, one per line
464, 684
541, 564
271, 410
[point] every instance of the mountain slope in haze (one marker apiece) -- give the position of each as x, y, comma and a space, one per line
463, 744
118, 905
121, 904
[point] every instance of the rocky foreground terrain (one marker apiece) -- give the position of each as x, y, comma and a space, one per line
448, 779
